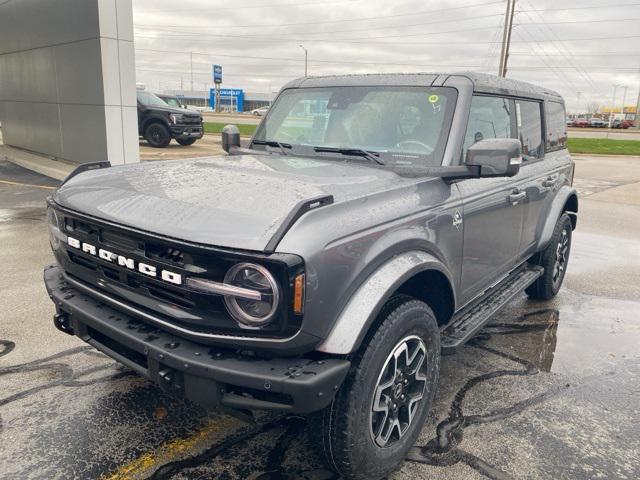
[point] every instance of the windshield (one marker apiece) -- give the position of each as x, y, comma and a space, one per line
149, 99
405, 125
172, 102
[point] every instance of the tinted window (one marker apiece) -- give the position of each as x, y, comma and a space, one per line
489, 117
172, 102
529, 128
556, 126
149, 99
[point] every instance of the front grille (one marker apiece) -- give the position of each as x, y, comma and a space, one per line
191, 120
181, 306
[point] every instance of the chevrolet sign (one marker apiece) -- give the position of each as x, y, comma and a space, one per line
126, 262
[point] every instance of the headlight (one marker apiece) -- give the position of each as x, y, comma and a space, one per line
53, 223
253, 312
176, 118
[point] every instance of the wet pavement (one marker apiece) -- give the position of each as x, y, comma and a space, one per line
547, 390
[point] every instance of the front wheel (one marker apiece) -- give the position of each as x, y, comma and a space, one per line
157, 135
379, 412
554, 259
185, 142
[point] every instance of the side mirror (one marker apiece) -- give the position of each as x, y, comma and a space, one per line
230, 137
495, 157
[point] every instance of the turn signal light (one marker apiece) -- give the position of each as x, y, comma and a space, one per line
298, 294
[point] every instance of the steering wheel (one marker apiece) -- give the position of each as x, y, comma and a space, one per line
422, 146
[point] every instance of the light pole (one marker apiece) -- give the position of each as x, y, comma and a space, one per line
613, 103
624, 98
305, 59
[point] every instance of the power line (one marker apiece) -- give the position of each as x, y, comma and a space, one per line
367, 40
192, 33
249, 7
341, 20
587, 7
579, 68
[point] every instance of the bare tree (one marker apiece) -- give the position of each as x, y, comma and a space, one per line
593, 107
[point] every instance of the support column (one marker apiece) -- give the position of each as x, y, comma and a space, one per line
67, 79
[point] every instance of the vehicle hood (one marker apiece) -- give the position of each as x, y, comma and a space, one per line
169, 109
228, 201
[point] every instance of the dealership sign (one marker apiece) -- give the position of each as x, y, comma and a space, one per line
217, 73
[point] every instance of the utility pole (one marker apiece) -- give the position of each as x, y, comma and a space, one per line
191, 62
305, 59
578, 102
506, 37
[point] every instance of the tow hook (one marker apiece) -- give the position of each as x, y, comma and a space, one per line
171, 380
63, 323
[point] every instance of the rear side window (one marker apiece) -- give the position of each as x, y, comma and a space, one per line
489, 117
529, 120
556, 126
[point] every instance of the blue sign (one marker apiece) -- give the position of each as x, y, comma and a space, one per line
231, 97
217, 74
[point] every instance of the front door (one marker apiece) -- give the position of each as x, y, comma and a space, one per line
493, 208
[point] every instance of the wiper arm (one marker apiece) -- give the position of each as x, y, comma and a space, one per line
368, 154
273, 143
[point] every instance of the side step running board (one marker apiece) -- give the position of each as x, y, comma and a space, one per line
470, 320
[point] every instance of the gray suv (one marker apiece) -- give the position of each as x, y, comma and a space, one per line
372, 223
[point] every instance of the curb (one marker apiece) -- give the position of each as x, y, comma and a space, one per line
37, 163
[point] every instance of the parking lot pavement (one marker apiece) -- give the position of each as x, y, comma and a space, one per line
547, 390
205, 147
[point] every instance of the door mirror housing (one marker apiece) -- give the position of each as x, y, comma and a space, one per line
230, 137
495, 157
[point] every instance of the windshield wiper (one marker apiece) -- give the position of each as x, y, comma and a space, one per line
368, 154
273, 143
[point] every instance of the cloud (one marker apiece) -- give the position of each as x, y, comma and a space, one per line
586, 47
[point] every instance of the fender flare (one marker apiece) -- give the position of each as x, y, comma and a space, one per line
156, 118
364, 305
556, 209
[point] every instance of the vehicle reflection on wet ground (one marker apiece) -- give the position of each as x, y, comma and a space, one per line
547, 390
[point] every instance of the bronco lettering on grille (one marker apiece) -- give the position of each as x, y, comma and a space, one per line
126, 262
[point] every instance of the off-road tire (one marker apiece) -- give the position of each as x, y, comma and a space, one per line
157, 135
546, 287
344, 428
185, 142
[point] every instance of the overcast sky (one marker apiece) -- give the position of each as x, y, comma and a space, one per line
584, 46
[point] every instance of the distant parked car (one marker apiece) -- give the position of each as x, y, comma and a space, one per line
624, 124
581, 123
598, 123
260, 112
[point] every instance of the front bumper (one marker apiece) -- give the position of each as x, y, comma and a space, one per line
209, 376
187, 131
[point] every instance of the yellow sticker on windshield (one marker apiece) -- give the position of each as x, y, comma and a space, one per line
433, 98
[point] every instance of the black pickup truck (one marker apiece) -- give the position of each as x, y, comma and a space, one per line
158, 122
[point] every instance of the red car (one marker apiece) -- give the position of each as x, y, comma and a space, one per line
581, 122
622, 124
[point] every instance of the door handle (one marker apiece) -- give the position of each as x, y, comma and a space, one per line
516, 196
549, 182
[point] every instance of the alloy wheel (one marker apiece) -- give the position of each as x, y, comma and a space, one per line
562, 250
399, 392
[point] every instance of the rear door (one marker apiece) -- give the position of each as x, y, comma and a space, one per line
534, 178
492, 207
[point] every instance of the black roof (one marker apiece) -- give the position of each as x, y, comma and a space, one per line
482, 82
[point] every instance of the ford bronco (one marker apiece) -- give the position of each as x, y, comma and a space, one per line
372, 223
